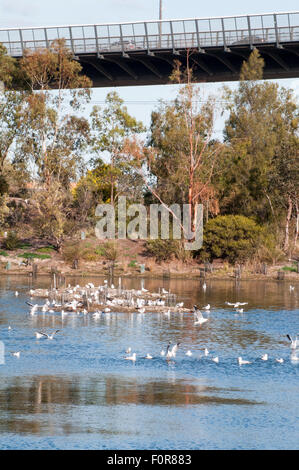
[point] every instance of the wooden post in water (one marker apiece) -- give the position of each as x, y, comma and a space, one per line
238, 272
34, 270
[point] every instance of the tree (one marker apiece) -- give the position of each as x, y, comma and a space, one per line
260, 113
185, 151
8, 68
53, 136
111, 126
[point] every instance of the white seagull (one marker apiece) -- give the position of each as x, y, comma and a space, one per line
199, 317
189, 353
242, 361
148, 356
131, 358
215, 359
49, 336
173, 351
264, 357
206, 352
16, 354
236, 304
279, 360
294, 342
207, 307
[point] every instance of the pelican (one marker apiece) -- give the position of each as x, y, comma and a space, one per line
294, 342
264, 357
131, 358
199, 317
242, 361
51, 336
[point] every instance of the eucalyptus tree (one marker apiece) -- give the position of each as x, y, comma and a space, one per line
111, 126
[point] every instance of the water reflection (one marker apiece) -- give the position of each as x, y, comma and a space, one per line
22, 399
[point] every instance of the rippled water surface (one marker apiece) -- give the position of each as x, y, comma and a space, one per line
78, 392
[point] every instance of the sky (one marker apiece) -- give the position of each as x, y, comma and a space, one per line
22, 13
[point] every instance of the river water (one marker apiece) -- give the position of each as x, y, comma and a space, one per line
77, 391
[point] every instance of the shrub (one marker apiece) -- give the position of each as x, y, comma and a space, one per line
162, 250
3, 253
11, 242
110, 251
231, 237
72, 252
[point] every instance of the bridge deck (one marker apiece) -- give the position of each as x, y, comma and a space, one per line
143, 52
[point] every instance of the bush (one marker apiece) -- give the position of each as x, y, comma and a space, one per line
110, 251
231, 237
162, 250
11, 242
72, 252
3, 253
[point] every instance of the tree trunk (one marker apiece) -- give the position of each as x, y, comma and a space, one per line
297, 225
287, 225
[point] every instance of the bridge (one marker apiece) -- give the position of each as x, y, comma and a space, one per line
143, 53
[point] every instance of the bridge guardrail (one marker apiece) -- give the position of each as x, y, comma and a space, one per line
158, 35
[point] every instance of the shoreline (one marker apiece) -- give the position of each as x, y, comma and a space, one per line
289, 277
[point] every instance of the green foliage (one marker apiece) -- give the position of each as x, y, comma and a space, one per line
12, 242
28, 255
235, 238
132, 263
3, 253
162, 250
291, 269
261, 118
46, 249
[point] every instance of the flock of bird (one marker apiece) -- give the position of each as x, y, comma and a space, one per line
76, 306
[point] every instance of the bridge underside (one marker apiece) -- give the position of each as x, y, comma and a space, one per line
213, 65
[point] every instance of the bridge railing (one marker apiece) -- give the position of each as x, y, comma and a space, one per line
158, 35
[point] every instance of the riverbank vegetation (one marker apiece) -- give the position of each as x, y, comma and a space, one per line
57, 163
